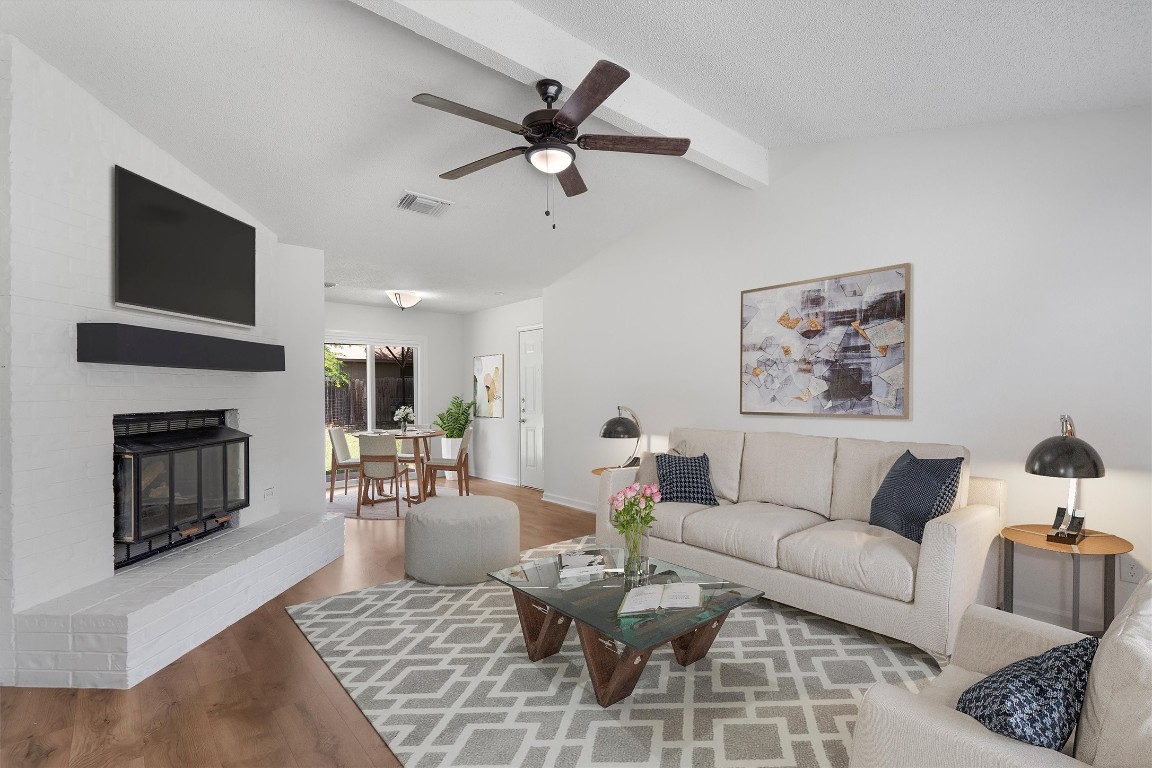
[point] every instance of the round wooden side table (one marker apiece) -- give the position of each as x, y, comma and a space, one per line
1093, 543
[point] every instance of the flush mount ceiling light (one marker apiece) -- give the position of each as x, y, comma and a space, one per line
403, 299
550, 156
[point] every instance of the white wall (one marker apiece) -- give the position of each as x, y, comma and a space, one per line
300, 272
496, 442
441, 368
63, 146
7, 636
1030, 251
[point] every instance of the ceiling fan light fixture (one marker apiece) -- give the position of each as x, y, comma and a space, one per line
550, 156
403, 299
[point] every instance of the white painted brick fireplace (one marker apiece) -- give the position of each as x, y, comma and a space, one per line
65, 618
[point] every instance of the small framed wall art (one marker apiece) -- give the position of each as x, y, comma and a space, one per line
488, 386
832, 346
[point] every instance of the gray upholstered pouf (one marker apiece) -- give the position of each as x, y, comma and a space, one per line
458, 539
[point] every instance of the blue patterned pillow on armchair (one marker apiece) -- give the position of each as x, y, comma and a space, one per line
1037, 699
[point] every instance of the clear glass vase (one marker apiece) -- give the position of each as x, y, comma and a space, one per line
634, 562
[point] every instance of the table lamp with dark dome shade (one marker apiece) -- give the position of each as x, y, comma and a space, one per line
622, 426
1066, 456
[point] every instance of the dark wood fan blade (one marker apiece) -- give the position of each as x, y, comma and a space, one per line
479, 165
428, 100
571, 181
596, 86
648, 145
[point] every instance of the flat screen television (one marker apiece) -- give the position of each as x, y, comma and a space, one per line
178, 256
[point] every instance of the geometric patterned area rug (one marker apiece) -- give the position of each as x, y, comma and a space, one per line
443, 675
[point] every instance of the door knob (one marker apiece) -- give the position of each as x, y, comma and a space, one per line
523, 420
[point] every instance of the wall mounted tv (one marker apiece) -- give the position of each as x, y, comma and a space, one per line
179, 256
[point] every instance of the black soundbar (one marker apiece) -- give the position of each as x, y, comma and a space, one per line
120, 344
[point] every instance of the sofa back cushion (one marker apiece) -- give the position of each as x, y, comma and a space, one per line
789, 470
862, 465
724, 448
1116, 725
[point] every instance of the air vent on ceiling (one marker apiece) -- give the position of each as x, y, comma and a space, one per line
425, 204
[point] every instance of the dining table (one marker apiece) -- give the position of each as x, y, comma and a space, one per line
421, 452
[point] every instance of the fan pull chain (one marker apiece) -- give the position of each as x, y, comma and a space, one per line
549, 196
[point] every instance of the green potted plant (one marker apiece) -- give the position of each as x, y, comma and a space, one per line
454, 421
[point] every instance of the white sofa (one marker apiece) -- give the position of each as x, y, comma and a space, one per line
900, 729
793, 521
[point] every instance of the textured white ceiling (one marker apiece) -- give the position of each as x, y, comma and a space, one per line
789, 72
300, 110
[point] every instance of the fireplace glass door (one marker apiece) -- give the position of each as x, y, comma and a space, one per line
176, 486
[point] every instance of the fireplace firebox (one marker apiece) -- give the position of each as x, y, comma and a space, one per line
177, 477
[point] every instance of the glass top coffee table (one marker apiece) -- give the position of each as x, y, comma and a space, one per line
616, 648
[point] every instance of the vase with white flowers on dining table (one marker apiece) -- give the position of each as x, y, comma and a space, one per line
404, 416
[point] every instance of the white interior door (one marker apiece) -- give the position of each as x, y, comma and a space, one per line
532, 408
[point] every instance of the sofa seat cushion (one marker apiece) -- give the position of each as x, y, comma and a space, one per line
856, 555
789, 470
861, 465
946, 687
751, 531
670, 517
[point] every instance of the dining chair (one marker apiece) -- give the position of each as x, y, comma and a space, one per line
406, 453
459, 465
377, 463
341, 459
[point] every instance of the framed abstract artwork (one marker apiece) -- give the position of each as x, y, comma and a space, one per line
832, 346
488, 386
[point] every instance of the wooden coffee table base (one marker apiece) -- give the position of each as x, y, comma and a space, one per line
544, 627
613, 672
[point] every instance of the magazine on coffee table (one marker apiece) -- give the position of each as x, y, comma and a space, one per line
655, 596
583, 562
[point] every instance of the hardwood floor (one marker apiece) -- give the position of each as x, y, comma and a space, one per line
256, 694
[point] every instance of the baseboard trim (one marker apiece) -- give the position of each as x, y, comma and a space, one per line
505, 479
583, 506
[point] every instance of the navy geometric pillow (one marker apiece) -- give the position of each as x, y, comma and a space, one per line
1037, 699
685, 478
914, 492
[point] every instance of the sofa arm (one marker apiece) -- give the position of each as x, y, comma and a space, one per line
898, 728
952, 566
989, 490
990, 639
611, 481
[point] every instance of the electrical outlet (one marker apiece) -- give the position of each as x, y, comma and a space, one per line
1130, 570
269, 492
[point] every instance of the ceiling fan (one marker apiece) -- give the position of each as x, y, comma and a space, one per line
549, 132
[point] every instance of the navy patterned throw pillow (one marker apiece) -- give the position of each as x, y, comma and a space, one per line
685, 478
914, 492
1037, 699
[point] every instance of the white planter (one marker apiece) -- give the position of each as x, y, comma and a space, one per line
450, 446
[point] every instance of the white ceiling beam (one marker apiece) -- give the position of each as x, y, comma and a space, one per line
502, 35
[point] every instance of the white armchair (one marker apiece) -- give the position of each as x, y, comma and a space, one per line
898, 728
